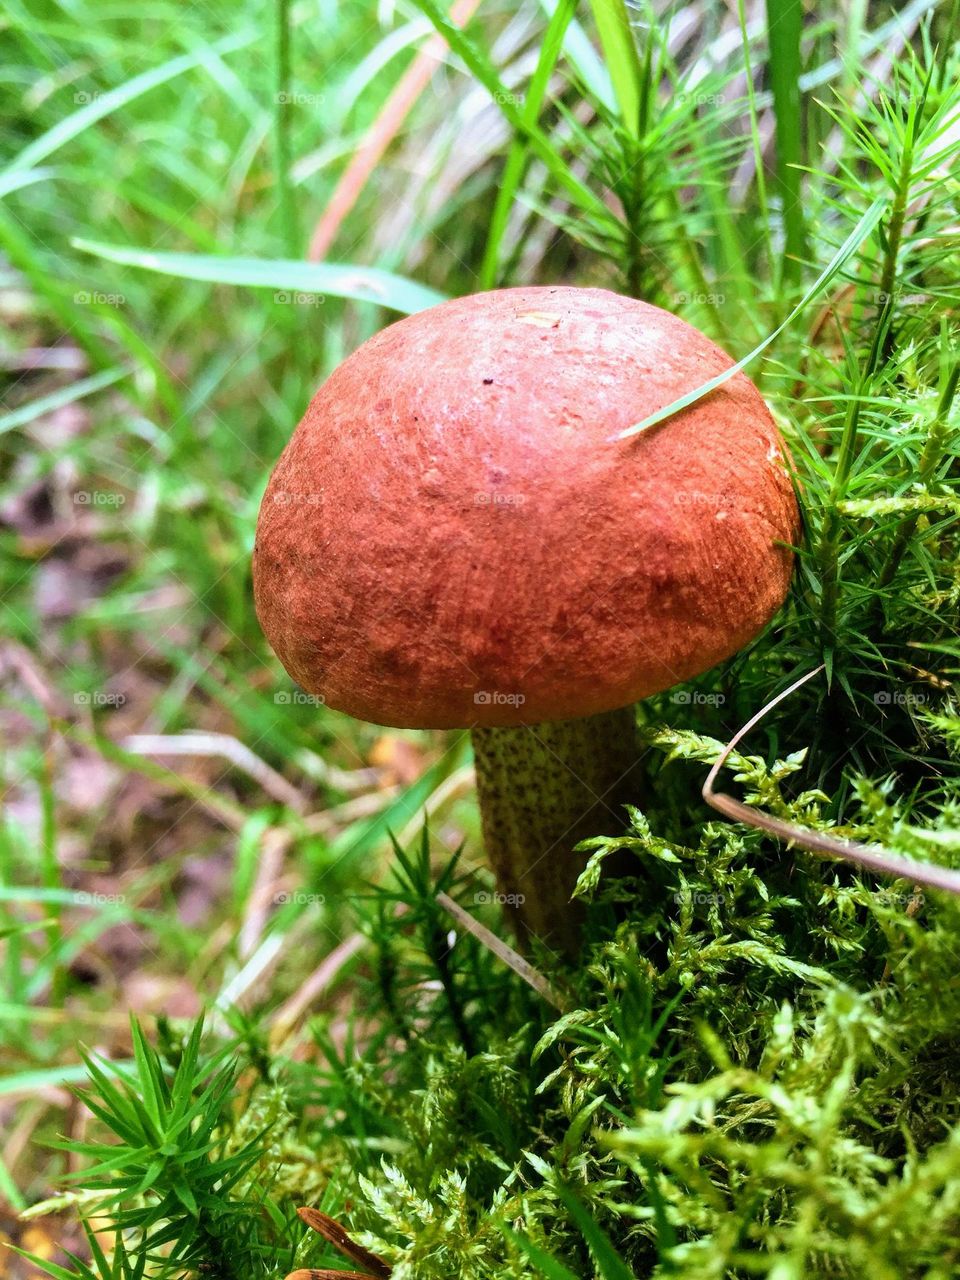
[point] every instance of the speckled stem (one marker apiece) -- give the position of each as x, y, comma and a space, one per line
543, 788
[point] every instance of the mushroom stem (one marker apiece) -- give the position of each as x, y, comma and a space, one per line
543, 788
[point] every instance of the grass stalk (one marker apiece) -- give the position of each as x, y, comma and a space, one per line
881, 345
283, 116
763, 208
930, 459
620, 52
517, 155
784, 27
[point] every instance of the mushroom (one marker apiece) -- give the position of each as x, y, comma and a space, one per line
451, 540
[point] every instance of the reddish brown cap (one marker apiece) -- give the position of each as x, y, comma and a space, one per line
450, 538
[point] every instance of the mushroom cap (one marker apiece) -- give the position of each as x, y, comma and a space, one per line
451, 538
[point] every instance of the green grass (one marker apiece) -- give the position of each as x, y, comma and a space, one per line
754, 1072
784, 28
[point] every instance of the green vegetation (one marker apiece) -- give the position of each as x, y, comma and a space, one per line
753, 1069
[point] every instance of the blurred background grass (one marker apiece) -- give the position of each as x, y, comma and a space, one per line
145, 869
141, 416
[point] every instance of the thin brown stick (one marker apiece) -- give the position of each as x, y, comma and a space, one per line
324, 1273
223, 746
332, 1231
288, 1015
533, 977
871, 857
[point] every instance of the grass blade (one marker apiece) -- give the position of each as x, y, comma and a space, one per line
483, 70
282, 107
609, 1263
585, 60
620, 51
362, 284
31, 1082
546, 1264
57, 399
856, 237
513, 170
784, 23
75, 123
